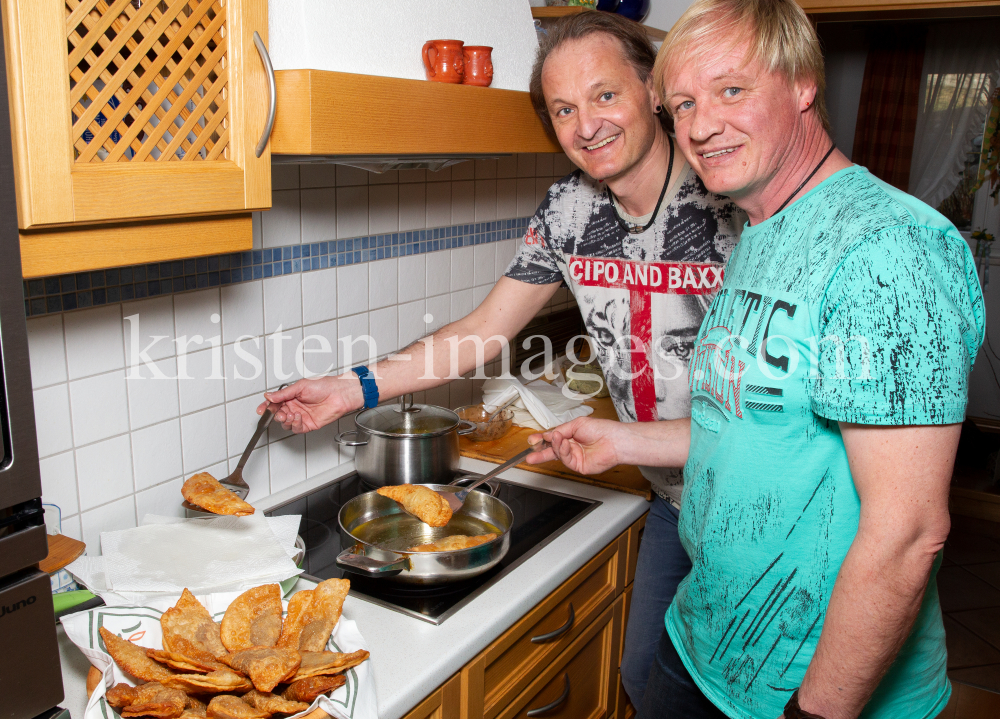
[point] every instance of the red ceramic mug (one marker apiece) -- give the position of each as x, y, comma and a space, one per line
478, 65
443, 60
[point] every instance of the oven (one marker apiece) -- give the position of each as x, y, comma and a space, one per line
30, 675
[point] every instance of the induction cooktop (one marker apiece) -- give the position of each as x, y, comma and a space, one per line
539, 517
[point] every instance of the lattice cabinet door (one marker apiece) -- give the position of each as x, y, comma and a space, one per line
136, 109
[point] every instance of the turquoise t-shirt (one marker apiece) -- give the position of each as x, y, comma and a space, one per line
858, 303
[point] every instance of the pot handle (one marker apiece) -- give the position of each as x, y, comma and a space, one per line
339, 439
469, 428
350, 560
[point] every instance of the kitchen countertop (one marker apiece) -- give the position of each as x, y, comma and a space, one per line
410, 657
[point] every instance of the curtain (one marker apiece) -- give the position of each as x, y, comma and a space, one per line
961, 65
887, 113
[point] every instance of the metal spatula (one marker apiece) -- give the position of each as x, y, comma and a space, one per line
235, 482
456, 499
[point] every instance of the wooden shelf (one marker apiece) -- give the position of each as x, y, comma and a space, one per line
336, 113
549, 13
538, 12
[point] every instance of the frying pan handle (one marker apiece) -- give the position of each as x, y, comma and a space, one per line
349, 442
354, 562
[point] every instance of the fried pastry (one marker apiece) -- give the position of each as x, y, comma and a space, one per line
188, 629
150, 699
267, 702
155, 700
316, 664
454, 542
312, 615
120, 695
217, 682
429, 506
306, 690
194, 708
230, 707
266, 666
132, 659
205, 491
253, 619
184, 663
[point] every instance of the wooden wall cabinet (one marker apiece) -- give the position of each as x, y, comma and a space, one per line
137, 110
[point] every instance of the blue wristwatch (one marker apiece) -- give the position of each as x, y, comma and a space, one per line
368, 386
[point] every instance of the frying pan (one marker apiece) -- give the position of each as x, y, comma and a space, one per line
375, 534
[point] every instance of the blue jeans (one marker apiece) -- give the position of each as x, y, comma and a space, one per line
671, 692
662, 564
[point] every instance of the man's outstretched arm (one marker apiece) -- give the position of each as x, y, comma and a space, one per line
592, 446
445, 355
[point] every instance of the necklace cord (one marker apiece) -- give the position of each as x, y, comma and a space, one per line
805, 181
652, 218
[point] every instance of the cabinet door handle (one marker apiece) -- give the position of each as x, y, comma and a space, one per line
272, 93
556, 633
554, 705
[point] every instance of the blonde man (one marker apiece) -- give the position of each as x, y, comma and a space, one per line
829, 380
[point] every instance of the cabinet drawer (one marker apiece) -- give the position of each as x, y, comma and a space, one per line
514, 659
581, 683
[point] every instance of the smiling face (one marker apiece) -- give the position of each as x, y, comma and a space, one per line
601, 111
736, 122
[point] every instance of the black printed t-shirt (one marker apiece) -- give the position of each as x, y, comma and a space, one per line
642, 296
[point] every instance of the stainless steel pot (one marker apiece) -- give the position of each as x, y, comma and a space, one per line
375, 534
406, 443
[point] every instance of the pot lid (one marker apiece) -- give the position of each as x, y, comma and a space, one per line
407, 419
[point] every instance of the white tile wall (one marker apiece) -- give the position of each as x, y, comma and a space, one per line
382, 283
94, 341
114, 449
412, 277
282, 302
47, 351
319, 295
149, 328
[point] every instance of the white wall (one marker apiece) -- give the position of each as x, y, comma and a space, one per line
664, 13
113, 449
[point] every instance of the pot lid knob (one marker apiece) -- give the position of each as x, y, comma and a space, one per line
406, 404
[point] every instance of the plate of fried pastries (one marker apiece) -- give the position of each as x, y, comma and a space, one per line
228, 656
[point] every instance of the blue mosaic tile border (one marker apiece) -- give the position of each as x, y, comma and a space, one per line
47, 295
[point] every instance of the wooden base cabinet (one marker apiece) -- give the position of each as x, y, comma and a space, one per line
442, 704
582, 682
561, 659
